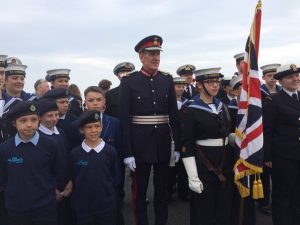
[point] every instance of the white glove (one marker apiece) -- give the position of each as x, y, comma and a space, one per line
177, 157
231, 139
195, 183
130, 163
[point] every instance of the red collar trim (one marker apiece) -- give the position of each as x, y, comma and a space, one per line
147, 74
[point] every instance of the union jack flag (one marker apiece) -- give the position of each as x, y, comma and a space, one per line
249, 128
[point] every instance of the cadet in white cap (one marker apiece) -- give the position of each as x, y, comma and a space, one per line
239, 59
60, 78
270, 86
15, 79
282, 144
177, 174
186, 71
206, 154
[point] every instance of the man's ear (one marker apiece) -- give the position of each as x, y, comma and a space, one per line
81, 130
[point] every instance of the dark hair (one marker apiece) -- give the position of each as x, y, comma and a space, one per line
74, 90
94, 89
104, 84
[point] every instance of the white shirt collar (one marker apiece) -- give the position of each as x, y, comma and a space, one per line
47, 131
62, 117
97, 148
290, 93
230, 98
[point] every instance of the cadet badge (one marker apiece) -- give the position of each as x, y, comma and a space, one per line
32, 108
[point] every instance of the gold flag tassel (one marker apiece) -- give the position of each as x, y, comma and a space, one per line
260, 189
254, 188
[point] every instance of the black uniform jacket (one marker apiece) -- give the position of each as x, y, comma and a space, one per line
145, 95
282, 127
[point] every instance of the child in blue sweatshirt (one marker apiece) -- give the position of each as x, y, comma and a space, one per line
92, 167
29, 170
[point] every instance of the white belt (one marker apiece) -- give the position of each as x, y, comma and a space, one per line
159, 119
212, 142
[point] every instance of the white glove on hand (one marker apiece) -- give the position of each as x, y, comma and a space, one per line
195, 183
130, 163
231, 139
177, 157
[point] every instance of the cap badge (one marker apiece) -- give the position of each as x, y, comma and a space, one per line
97, 116
293, 67
155, 41
32, 108
187, 68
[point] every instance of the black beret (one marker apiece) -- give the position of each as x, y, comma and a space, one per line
56, 94
47, 105
22, 108
90, 116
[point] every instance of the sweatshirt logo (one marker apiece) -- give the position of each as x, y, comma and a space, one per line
82, 163
15, 160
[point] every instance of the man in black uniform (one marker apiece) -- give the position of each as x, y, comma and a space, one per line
282, 145
112, 96
149, 121
186, 71
60, 78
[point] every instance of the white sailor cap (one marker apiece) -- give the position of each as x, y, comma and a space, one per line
179, 80
15, 69
210, 73
236, 82
270, 68
239, 57
185, 69
123, 67
286, 70
57, 73
13, 60
2, 60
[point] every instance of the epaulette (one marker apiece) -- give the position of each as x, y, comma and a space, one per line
165, 73
130, 73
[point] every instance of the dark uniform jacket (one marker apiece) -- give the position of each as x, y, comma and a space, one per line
265, 91
75, 105
187, 94
148, 96
199, 122
282, 127
112, 102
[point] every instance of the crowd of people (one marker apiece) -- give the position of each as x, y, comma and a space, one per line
63, 155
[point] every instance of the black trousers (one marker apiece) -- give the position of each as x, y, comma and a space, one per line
265, 178
45, 217
249, 215
178, 179
160, 179
3, 213
97, 219
286, 191
213, 205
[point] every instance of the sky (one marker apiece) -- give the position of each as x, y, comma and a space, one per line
90, 37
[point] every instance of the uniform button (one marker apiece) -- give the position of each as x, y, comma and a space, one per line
151, 79
153, 91
154, 103
299, 118
299, 138
155, 126
155, 115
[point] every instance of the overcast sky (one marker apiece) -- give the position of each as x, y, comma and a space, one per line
90, 37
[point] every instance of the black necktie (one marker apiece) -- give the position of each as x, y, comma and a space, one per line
189, 91
295, 96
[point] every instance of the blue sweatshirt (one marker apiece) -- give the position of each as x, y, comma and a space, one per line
29, 173
92, 173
